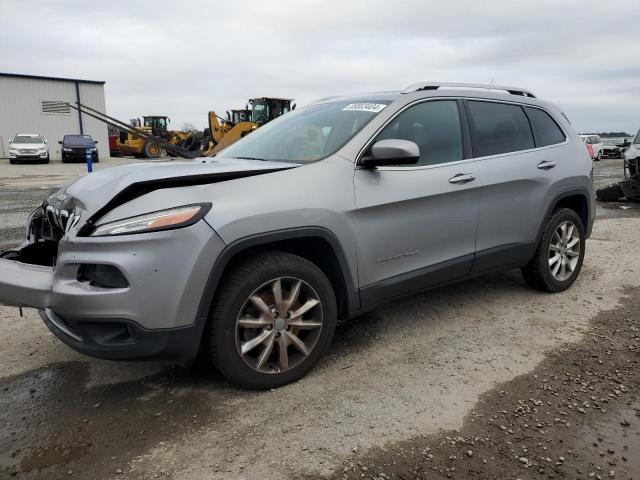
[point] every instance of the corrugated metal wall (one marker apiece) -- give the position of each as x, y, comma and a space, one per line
20, 112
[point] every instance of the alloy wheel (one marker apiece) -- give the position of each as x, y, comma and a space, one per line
564, 251
279, 325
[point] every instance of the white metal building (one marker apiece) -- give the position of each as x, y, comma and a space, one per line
35, 104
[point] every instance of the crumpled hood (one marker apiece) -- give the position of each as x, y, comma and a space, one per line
95, 191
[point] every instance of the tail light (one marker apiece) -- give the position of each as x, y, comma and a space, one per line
590, 150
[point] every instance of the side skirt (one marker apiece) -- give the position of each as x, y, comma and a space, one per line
414, 281
451, 271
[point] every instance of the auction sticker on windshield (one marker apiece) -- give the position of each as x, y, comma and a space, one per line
365, 107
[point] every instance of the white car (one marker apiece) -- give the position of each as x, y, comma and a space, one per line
29, 147
597, 146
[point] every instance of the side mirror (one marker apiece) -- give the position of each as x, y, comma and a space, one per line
95, 142
60, 142
391, 152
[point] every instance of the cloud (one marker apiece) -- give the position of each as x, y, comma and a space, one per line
186, 58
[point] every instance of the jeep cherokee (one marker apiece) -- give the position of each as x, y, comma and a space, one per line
327, 211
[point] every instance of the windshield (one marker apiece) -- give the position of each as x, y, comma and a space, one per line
260, 112
155, 122
636, 140
26, 139
306, 134
78, 139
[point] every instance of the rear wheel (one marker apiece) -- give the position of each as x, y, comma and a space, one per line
152, 150
558, 258
272, 321
599, 156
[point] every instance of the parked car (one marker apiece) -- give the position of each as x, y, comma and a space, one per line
74, 148
596, 145
628, 188
316, 217
28, 147
614, 147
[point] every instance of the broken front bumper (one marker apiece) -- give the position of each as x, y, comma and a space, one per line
24, 285
148, 307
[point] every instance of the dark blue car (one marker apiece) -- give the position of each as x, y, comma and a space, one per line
74, 148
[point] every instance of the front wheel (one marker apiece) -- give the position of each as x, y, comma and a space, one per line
558, 258
272, 321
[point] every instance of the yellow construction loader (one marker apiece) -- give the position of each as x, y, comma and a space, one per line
154, 126
223, 132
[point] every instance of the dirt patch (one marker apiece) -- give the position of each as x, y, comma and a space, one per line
577, 415
53, 424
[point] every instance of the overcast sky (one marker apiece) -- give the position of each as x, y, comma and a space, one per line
184, 58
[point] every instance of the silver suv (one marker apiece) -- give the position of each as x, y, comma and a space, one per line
331, 209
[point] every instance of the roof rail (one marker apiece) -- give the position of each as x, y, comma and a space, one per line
416, 87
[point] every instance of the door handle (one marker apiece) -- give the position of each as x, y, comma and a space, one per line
546, 165
462, 178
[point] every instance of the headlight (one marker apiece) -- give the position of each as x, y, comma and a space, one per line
13, 150
65, 149
171, 218
94, 149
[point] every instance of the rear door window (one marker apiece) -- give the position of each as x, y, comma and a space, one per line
498, 128
545, 130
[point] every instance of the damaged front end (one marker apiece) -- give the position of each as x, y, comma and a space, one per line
122, 296
27, 273
46, 225
630, 187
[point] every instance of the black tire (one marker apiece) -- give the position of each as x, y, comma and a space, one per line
599, 156
192, 143
152, 150
610, 193
188, 142
537, 272
12, 161
236, 287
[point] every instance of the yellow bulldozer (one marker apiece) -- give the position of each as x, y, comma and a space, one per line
142, 146
154, 135
240, 122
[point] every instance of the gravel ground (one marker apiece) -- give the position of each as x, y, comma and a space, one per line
576, 415
403, 390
